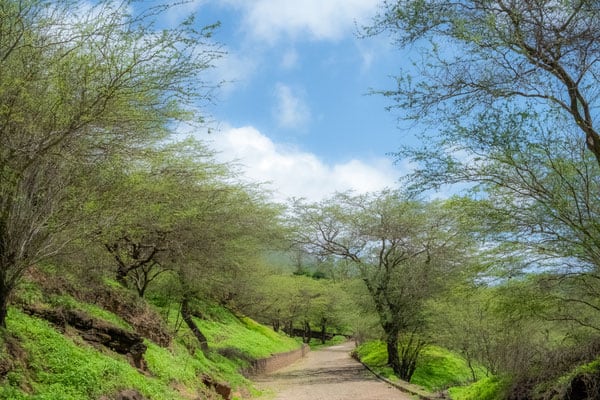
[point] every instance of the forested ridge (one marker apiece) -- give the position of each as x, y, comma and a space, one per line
132, 262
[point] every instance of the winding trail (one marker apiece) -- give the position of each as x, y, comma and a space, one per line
328, 374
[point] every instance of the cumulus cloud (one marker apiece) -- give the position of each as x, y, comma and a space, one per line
290, 110
269, 20
290, 172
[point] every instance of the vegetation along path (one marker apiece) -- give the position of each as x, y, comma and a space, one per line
328, 374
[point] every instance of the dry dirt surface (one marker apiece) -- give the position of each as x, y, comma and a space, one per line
328, 374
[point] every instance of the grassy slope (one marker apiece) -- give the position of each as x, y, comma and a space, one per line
484, 389
57, 366
437, 368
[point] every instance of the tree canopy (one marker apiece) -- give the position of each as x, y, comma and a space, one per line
77, 87
479, 54
405, 251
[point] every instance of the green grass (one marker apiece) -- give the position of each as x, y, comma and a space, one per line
243, 336
92, 310
59, 368
316, 344
228, 333
64, 367
485, 389
437, 368
175, 364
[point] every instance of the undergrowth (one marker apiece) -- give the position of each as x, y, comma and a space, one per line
60, 367
437, 368
490, 388
57, 366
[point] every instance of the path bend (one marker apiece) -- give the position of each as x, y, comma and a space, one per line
328, 374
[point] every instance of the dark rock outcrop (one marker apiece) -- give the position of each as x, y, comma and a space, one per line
143, 319
223, 389
95, 331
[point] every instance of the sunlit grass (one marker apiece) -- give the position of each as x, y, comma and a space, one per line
60, 368
65, 367
246, 336
437, 368
485, 389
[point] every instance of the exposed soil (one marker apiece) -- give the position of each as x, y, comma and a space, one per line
329, 374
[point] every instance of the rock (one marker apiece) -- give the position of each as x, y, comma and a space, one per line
130, 395
223, 389
96, 332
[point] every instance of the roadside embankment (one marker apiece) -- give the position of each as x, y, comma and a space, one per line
276, 361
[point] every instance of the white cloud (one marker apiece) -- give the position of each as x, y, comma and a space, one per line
233, 70
295, 173
289, 59
269, 20
290, 111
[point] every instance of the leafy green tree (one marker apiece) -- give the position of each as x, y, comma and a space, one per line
516, 86
149, 206
293, 301
405, 250
539, 198
228, 227
328, 310
76, 87
279, 301
479, 54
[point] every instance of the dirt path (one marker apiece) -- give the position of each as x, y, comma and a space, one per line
329, 374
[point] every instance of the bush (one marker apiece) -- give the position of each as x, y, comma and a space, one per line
437, 368
484, 389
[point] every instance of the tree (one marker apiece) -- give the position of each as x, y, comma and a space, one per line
227, 229
149, 206
539, 199
517, 94
404, 249
293, 301
479, 54
76, 87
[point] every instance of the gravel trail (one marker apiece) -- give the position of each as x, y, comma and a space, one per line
328, 374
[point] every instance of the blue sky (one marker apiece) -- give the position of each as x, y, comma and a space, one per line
295, 109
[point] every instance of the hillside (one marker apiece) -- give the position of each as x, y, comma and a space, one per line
65, 340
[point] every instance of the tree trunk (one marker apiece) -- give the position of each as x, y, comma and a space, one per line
307, 332
141, 290
121, 277
4, 295
141, 284
187, 318
392, 348
323, 332
5, 291
411, 349
289, 328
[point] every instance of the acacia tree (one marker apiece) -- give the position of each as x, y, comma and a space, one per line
478, 54
403, 249
150, 205
227, 229
75, 87
540, 202
516, 86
